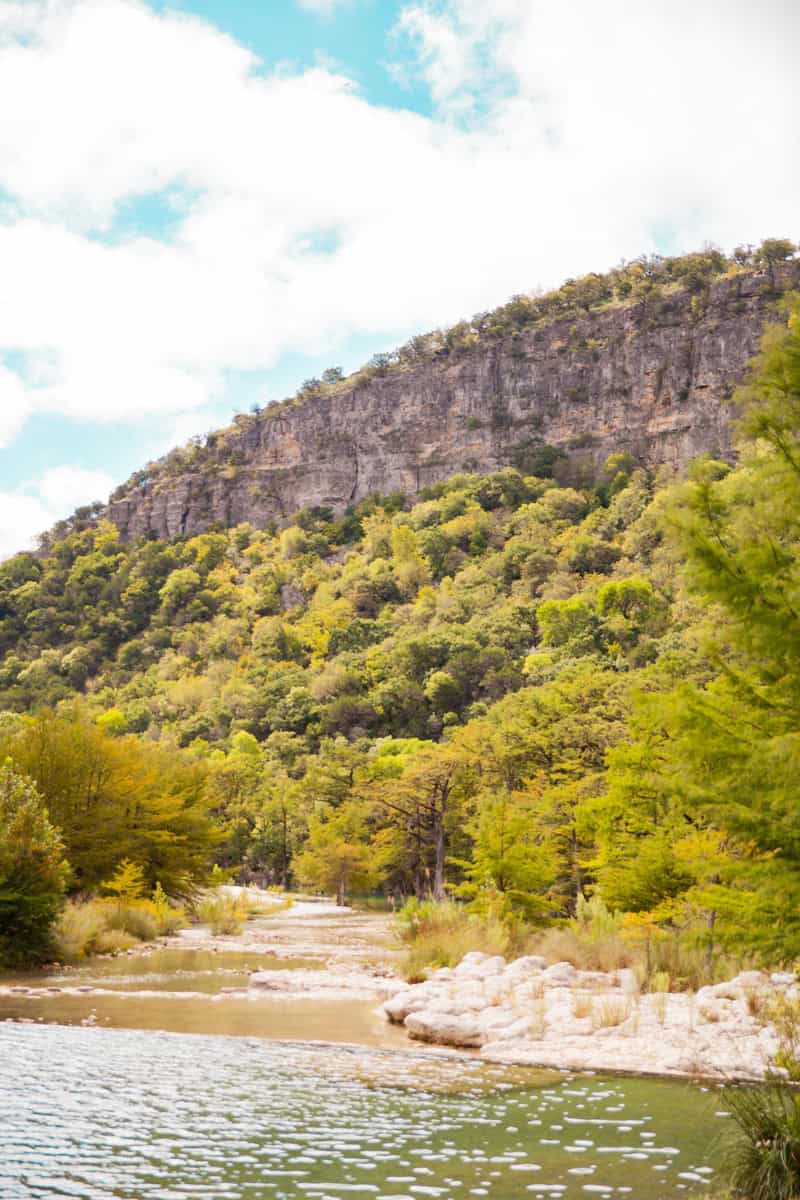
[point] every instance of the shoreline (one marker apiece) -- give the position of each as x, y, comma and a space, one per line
525, 1013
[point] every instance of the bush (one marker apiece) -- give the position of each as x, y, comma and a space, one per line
225, 914
764, 1159
76, 931
107, 927
113, 941
134, 919
32, 872
168, 917
439, 935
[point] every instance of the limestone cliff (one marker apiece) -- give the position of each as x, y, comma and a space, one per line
653, 379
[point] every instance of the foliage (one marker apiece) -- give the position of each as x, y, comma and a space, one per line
568, 707
149, 803
33, 871
107, 926
764, 1159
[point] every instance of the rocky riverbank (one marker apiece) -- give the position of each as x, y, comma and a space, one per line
329, 970
533, 1014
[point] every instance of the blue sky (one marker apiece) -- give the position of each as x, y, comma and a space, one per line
204, 202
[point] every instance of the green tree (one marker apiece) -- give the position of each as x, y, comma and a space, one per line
734, 742
337, 857
33, 871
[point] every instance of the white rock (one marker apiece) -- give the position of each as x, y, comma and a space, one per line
530, 964
492, 1019
398, 1008
480, 970
750, 979
444, 1028
559, 973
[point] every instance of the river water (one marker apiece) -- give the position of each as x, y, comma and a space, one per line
97, 1113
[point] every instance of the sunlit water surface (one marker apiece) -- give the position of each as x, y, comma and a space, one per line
102, 1113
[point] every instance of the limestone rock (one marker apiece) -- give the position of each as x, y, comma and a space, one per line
655, 382
529, 964
560, 973
446, 1029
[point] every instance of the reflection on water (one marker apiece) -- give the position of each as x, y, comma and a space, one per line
260, 1016
98, 1113
168, 970
188, 991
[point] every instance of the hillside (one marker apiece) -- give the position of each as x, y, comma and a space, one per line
530, 688
642, 360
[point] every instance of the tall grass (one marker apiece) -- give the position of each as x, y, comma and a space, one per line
764, 1157
225, 914
439, 935
597, 939
109, 926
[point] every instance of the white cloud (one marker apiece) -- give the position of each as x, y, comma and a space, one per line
27, 511
564, 137
14, 406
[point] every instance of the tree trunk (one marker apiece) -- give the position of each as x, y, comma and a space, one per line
438, 874
341, 892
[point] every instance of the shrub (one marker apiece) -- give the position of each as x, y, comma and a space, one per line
113, 941
133, 919
76, 931
225, 914
92, 927
440, 934
764, 1158
168, 917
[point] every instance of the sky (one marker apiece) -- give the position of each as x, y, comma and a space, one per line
204, 202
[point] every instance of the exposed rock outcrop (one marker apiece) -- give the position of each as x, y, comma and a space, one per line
654, 380
529, 1014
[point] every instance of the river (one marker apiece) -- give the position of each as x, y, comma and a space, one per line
156, 1084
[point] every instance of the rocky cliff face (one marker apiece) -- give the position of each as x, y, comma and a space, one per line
653, 380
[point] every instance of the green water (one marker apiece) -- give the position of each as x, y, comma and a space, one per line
170, 970
101, 1113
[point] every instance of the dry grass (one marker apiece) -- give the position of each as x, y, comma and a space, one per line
582, 1005
107, 927
660, 1006
784, 1013
539, 1022
611, 1012
223, 913
756, 1003
599, 953
439, 935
